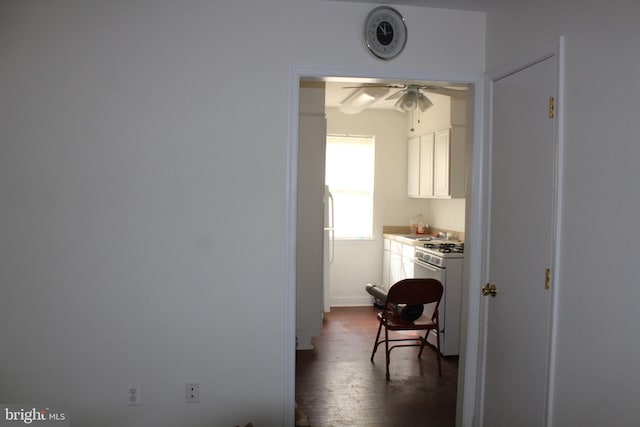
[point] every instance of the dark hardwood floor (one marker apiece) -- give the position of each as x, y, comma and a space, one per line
337, 385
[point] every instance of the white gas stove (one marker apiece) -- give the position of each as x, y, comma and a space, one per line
435, 252
443, 260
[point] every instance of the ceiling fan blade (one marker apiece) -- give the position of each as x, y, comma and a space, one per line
361, 86
390, 86
396, 95
361, 98
454, 93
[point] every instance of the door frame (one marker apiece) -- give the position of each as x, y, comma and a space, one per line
556, 50
469, 353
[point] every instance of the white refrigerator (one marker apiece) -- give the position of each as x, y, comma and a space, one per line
328, 249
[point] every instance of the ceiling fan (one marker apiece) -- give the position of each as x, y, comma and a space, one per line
409, 97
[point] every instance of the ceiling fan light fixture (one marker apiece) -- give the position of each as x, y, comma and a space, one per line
361, 98
407, 102
424, 103
412, 100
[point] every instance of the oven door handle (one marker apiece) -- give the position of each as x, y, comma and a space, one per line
427, 265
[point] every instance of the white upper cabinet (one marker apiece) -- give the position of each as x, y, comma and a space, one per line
413, 167
436, 167
441, 165
420, 166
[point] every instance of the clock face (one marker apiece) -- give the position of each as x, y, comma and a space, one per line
385, 32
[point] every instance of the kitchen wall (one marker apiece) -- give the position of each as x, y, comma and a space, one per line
146, 195
598, 341
359, 262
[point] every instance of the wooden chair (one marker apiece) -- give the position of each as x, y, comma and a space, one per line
410, 292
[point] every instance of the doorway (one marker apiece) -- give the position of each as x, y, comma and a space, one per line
467, 375
358, 254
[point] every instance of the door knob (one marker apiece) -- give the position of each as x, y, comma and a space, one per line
489, 289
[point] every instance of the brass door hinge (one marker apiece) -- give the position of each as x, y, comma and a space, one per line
552, 107
547, 278
489, 289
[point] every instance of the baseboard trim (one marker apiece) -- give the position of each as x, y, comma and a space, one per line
305, 347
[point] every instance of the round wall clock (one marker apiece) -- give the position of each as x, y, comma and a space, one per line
385, 32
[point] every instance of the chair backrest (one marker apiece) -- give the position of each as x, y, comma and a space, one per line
415, 292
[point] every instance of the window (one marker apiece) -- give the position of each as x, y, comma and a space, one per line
349, 175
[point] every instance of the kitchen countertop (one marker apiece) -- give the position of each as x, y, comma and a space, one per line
406, 234
417, 239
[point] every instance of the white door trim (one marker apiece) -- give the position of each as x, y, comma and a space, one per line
468, 366
554, 50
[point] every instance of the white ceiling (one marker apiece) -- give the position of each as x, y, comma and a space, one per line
477, 5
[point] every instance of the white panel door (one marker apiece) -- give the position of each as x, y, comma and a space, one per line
420, 166
413, 167
522, 214
426, 165
441, 163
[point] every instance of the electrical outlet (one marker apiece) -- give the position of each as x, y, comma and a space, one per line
133, 394
192, 393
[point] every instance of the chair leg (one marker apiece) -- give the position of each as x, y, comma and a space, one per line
424, 341
375, 345
438, 352
386, 345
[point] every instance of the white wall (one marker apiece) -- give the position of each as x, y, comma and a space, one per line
598, 339
144, 149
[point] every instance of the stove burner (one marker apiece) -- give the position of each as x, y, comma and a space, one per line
446, 248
